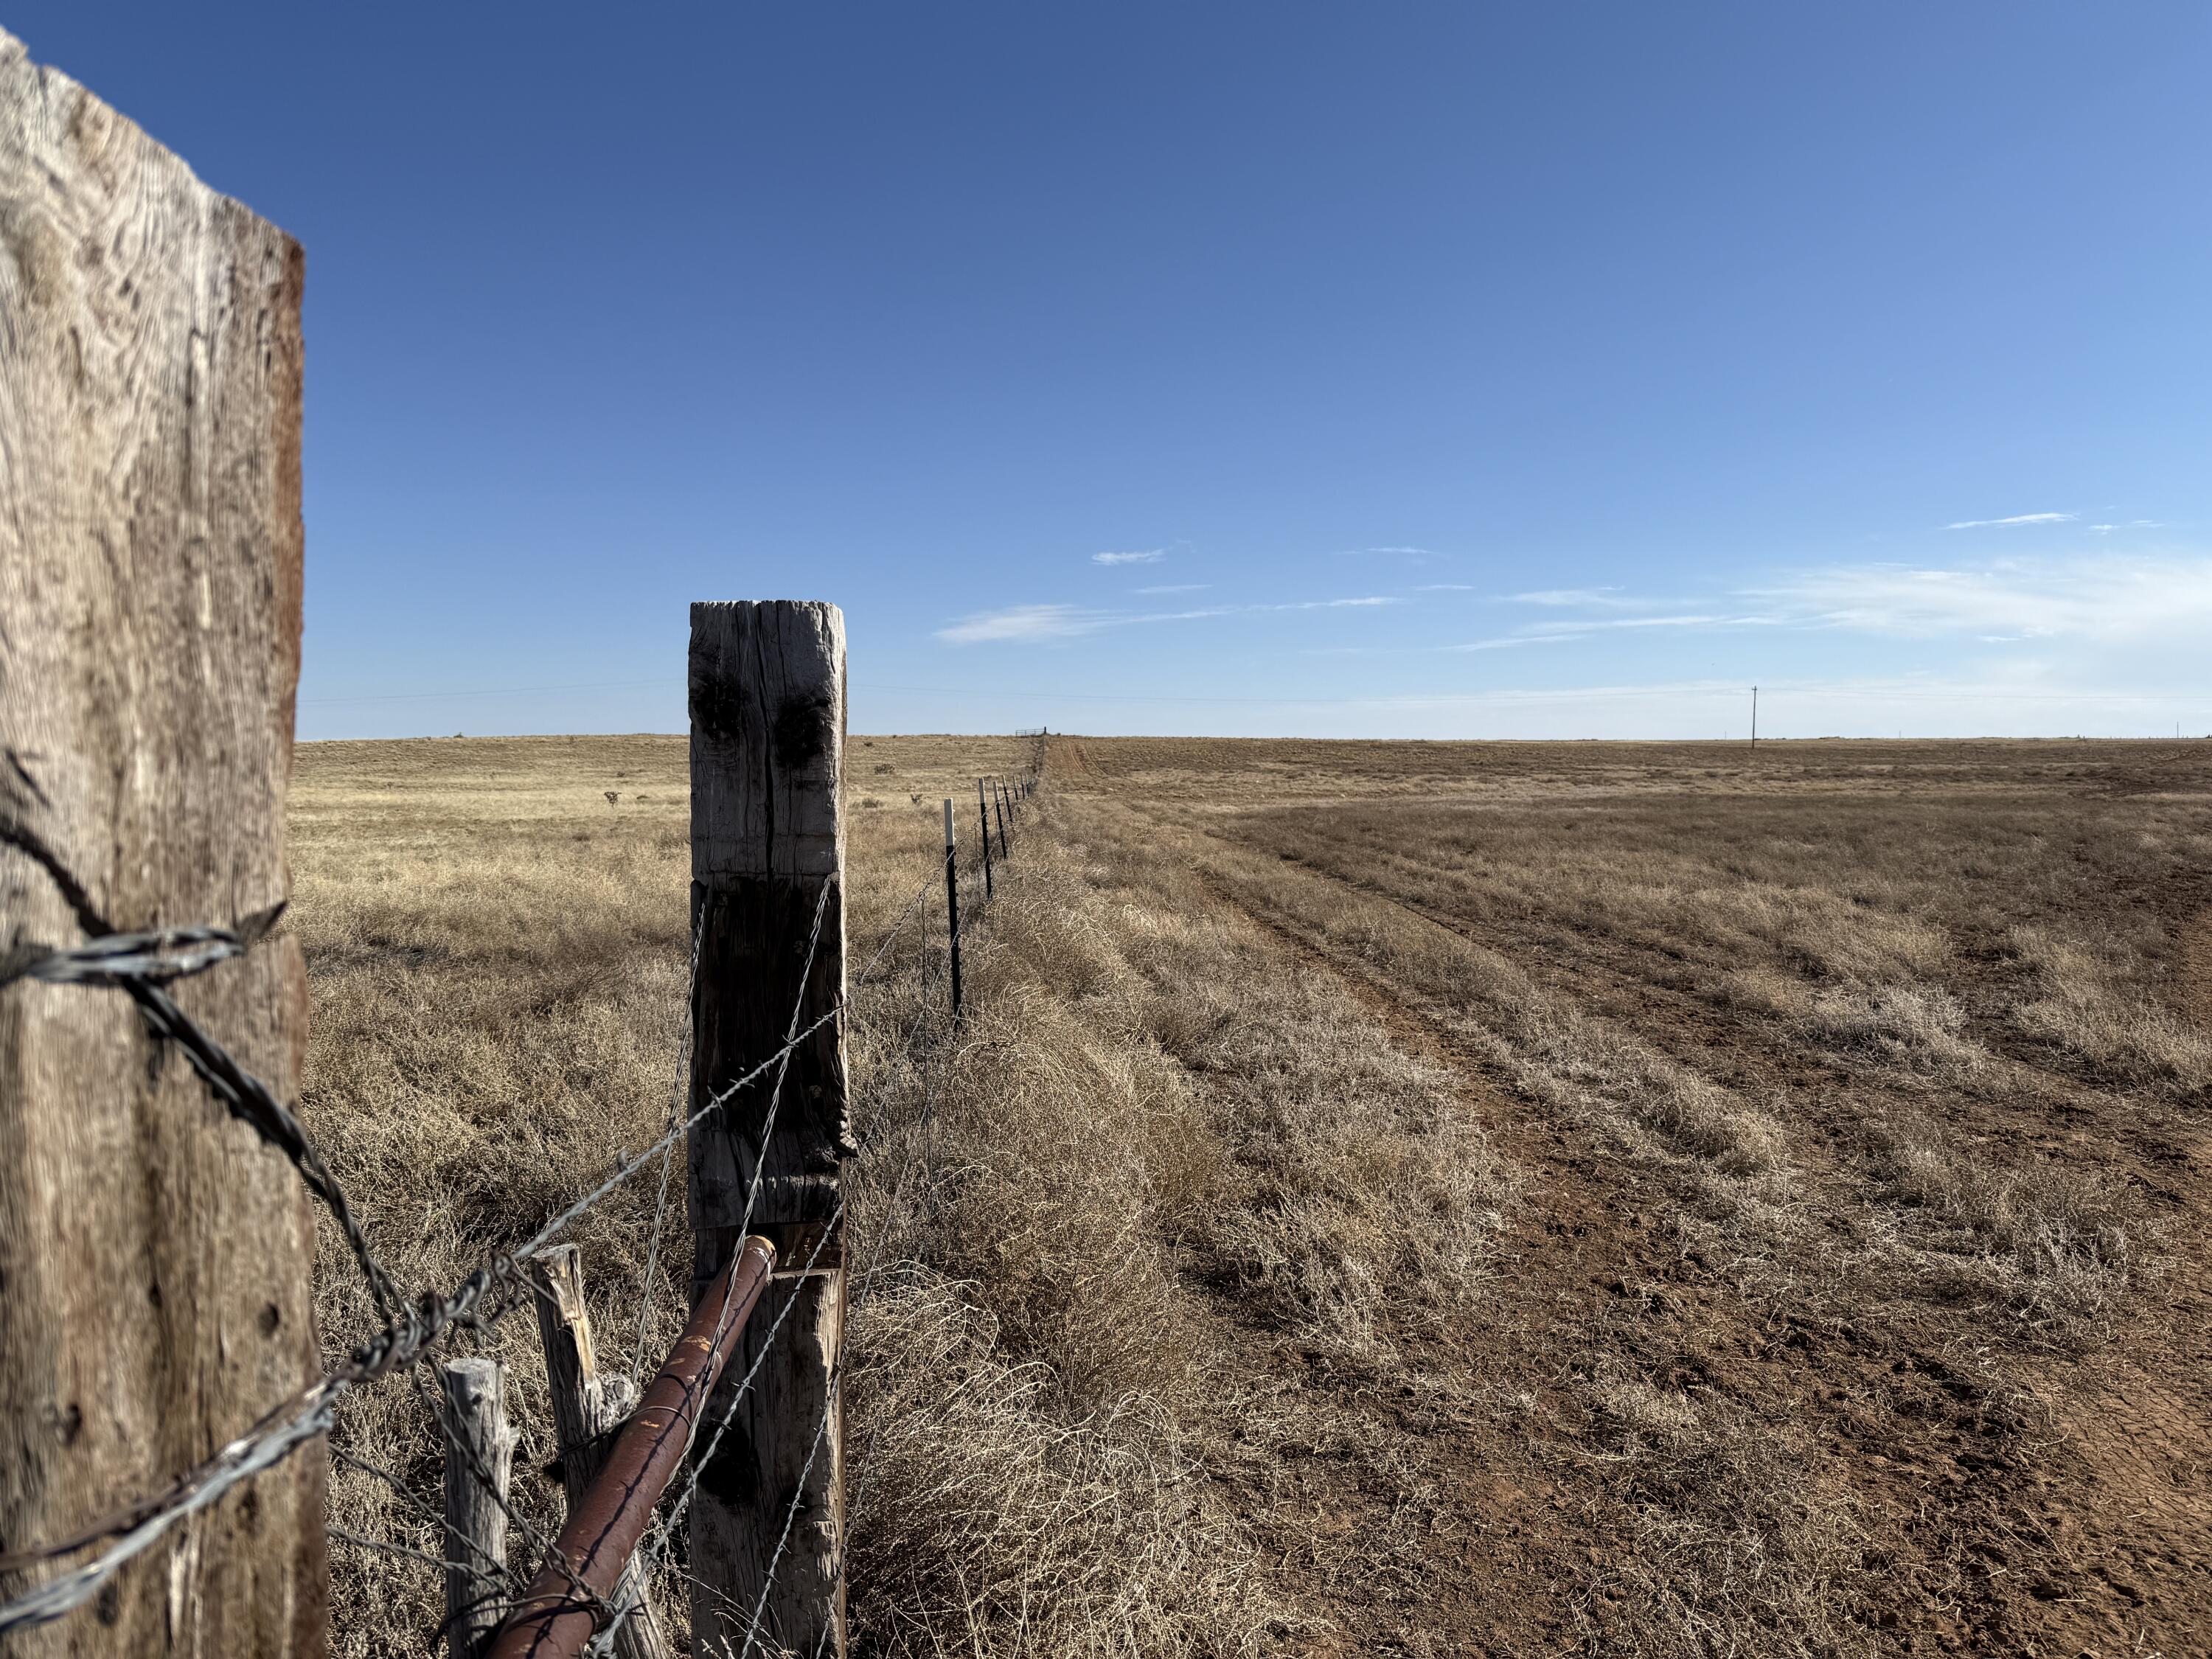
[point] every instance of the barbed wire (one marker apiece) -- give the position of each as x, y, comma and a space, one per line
498, 1568
667, 1157
664, 1536
791, 1512
141, 964
156, 957
753, 1193
410, 1330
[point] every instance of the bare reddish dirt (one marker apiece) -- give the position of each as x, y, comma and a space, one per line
2032, 1494
2077, 1521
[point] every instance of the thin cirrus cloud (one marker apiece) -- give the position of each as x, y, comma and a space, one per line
1560, 633
1025, 621
1022, 622
1585, 598
2016, 519
1176, 588
2114, 598
1147, 556
2110, 599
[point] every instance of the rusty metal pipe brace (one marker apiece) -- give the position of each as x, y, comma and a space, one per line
555, 1617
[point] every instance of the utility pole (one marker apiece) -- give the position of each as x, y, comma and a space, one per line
1754, 717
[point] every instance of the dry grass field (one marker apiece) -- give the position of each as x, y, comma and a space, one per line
1404, 1198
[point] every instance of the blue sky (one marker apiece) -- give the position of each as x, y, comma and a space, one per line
1439, 370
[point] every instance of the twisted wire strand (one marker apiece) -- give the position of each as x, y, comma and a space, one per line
753, 1193
791, 1514
157, 956
498, 1284
141, 964
138, 964
663, 1535
496, 1569
296, 1422
667, 1157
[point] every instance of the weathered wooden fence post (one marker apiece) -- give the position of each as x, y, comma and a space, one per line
767, 859
999, 801
479, 1459
587, 1410
155, 1253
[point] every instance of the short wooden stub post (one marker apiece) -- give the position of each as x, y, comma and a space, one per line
952, 904
479, 1457
587, 1410
983, 822
156, 1252
768, 860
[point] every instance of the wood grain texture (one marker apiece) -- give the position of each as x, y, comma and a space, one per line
768, 738
155, 1254
768, 849
479, 1466
587, 1411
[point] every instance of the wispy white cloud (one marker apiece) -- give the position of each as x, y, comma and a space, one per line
1446, 587
1176, 587
2132, 524
1415, 553
1062, 621
1586, 598
1509, 641
2016, 519
1589, 626
1559, 632
1147, 556
1026, 622
2109, 597
2112, 598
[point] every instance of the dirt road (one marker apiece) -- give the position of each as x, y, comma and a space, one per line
1684, 1391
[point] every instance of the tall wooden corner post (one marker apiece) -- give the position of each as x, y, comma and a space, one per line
155, 1253
767, 859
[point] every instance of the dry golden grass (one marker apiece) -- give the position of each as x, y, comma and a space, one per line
496, 954
1514, 1199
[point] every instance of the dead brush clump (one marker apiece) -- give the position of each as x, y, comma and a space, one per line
1028, 1382
1741, 1546
2059, 1244
1919, 1029
2097, 1003
985, 1516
